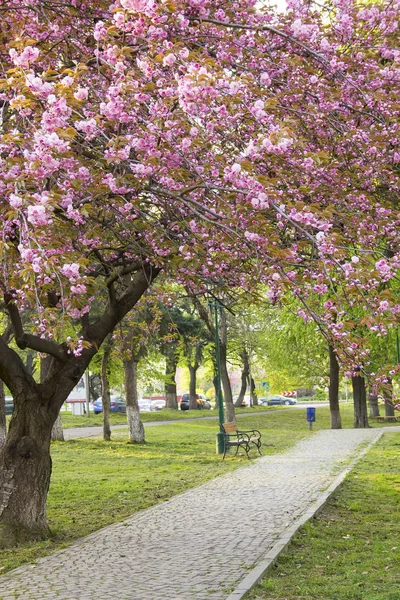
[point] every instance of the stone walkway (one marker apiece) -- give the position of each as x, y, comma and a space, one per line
200, 544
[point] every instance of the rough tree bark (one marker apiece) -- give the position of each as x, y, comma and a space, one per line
193, 404
25, 465
30, 362
136, 429
388, 396
57, 434
336, 421
245, 374
253, 395
171, 364
25, 462
360, 402
3, 426
373, 405
226, 383
105, 390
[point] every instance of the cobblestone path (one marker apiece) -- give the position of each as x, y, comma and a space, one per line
199, 544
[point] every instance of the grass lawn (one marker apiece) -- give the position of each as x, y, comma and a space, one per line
96, 483
351, 551
69, 420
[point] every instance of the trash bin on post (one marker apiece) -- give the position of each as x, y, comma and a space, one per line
310, 411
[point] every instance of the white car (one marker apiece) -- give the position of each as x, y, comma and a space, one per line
158, 404
145, 406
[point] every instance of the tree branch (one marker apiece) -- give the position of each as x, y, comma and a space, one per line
124, 271
286, 36
27, 340
204, 316
115, 312
11, 365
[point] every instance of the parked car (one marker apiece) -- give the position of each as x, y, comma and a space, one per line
9, 405
274, 400
145, 406
201, 400
117, 404
263, 401
158, 404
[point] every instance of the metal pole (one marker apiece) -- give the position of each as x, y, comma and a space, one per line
397, 347
87, 391
220, 435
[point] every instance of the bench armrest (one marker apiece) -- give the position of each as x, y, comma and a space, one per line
250, 431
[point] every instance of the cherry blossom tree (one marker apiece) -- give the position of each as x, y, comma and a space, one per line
202, 139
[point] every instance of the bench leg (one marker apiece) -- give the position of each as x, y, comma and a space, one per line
247, 448
225, 449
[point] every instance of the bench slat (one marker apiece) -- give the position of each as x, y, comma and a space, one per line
230, 427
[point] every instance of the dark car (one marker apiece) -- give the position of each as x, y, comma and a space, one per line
9, 405
117, 404
279, 400
202, 402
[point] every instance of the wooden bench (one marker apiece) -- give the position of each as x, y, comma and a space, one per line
236, 438
387, 419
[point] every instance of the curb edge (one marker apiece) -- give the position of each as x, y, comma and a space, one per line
269, 559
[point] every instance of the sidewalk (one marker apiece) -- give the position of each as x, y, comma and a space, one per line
97, 430
198, 545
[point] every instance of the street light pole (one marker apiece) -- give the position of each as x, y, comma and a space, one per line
220, 446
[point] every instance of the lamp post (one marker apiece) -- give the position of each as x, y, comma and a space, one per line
220, 446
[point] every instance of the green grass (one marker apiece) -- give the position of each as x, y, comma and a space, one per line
69, 420
96, 483
351, 551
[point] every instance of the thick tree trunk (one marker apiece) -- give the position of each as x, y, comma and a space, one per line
171, 400
215, 384
373, 405
193, 404
57, 434
25, 463
388, 396
3, 426
336, 421
105, 392
30, 363
136, 429
215, 378
244, 376
25, 470
360, 402
226, 386
253, 395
